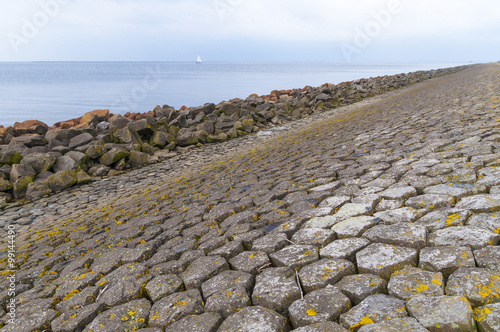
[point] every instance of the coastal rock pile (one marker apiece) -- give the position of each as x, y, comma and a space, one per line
36, 160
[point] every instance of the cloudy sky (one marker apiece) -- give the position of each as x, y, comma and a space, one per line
251, 30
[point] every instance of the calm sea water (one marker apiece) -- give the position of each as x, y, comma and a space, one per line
56, 91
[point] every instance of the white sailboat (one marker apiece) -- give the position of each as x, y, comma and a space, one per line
198, 59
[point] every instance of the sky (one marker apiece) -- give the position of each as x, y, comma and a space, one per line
357, 31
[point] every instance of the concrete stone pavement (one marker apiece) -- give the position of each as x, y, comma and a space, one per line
378, 216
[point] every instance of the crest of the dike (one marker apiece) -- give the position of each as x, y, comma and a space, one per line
376, 209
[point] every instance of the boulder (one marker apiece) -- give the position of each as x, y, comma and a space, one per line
99, 170
143, 127
58, 135
127, 136
230, 109
114, 155
185, 138
10, 157
164, 111
37, 189
160, 139
5, 185
30, 127
95, 151
64, 163
207, 126
19, 171
205, 109
62, 180
97, 116
180, 122
217, 138
80, 140
82, 160
21, 185
137, 158
29, 141
41, 162
118, 122
82, 178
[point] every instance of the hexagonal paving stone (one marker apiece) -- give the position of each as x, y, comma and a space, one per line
410, 281
406, 214
255, 319
229, 250
472, 236
271, 242
375, 308
387, 204
249, 261
430, 201
353, 210
401, 324
226, 280
446, 259
295, 256
457, 190
228, 301
480, 286
398, 193
490, 221
344, 248
313, 236
325, 304
359, 286
126, 317
123, 291
207, 322
322, 222
354, 227
480, 203
162, 286
488, 317
203, 269
324, 272
174, 307
36, 321
488, 257
276, 288
443, 218
402, 234
78, 319
322, 327
442, 313
383, 259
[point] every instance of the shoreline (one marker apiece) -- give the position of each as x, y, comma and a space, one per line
37, 160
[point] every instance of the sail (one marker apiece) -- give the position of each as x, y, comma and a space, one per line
198, 59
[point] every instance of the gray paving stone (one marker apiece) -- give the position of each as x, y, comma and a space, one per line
313, 236
322, 222
227, 302
128, 316
354, 227
457, 190
410, 282
271, 242
78, 319
295, 256
162, 286
430, 201
349, 210
489, 221
203, 269
123, 291
480, 203
398, 193
474, 237
174, 307
443, 218
226, 280
324, 272
276, 289
375, 308
488, 317
207, 322
344, 248
229, 250
446, 259
406, 214
383, 259
358, 286
322, 327
480, 286
387, 204
249, 261
334, 202
446, 313
255, 319
325, 304
488, 257
400, 324
401, 234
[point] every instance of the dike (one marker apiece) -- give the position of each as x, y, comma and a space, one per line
36, 160
381, 215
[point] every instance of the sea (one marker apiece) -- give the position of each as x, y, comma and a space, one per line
57, 91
